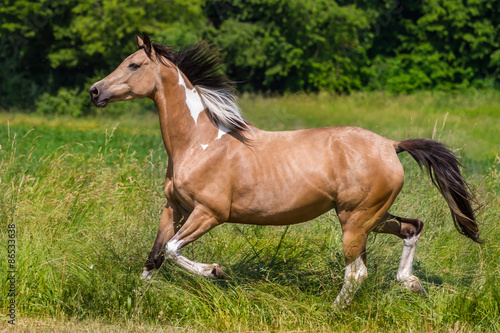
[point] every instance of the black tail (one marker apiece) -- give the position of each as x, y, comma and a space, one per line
443, 168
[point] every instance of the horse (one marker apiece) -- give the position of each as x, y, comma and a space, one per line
221, 169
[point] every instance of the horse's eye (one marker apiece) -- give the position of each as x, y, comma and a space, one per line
133, 66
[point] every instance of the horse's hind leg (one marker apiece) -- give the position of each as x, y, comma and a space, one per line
409, 230
356, 224
355, 271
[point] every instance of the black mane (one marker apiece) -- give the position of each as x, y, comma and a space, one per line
200, 62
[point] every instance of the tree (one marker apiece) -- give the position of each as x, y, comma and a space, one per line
443, 45
291, 45
50, 44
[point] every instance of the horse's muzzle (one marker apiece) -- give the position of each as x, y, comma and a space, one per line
98, 96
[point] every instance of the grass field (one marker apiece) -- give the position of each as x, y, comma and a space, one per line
86, 194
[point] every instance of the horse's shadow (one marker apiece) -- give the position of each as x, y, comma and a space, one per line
322, 276
263, 269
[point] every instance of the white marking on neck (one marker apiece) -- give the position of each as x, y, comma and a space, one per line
222, 130
193, 99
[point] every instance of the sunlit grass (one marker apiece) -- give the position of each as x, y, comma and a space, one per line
86, 197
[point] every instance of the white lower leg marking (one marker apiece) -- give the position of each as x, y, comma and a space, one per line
355, 274
146, 275
405, 266
173, 248
173, 253
410, 281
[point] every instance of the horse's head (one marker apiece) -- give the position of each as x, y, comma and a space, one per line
134, 78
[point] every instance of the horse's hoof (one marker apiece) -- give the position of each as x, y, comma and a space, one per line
340, 304
413, 284
147, 275
218, 273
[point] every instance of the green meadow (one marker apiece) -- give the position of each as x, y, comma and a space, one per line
83, 197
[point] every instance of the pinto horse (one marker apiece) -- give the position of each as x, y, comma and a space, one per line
222, 169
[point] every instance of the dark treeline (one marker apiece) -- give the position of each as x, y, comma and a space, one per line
51, 50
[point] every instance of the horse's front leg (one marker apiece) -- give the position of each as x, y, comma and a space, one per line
199, 222
170, 219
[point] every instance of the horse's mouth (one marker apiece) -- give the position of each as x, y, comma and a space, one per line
100, 103
99, 96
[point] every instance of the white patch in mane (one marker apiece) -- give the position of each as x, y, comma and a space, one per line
193, 99
223, 106
204, 146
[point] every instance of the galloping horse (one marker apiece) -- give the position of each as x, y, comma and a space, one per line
222, 169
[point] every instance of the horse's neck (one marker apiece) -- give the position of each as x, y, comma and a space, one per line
183, 120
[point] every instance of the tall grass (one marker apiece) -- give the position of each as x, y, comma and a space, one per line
86, 210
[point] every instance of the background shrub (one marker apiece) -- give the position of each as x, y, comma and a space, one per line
268, 45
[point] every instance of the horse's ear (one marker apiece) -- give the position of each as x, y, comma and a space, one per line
147, 43
140, 42
144, 43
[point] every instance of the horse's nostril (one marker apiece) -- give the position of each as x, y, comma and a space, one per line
93, 91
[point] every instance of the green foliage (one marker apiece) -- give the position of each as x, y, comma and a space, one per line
52, 44
290, 45
269, 45
67, 101
443, 45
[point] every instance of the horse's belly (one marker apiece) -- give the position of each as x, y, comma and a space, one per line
280, 206
278, 217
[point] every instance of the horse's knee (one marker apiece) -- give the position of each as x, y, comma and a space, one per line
173, 248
